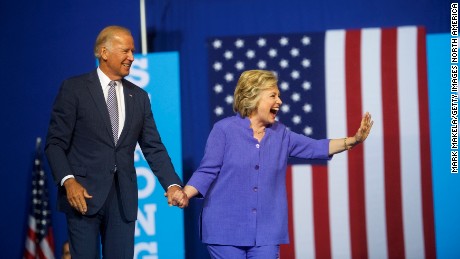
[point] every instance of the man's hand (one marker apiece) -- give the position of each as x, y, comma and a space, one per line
176, 197
76, 195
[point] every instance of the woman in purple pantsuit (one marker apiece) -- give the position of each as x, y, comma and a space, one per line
242, 174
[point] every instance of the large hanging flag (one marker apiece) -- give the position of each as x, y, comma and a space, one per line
39, 239
376, 200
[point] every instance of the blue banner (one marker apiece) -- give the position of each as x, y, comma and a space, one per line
159, 228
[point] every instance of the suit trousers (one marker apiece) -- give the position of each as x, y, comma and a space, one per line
108, 227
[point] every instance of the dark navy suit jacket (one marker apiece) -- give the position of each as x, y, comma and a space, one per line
80, 142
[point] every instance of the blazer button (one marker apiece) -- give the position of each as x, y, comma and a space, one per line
255, 189
257, 167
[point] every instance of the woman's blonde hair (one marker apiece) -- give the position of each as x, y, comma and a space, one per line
248, 89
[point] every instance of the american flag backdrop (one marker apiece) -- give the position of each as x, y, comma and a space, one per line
376, 200
39, 239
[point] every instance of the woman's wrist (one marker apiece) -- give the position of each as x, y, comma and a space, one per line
190, 191
350, 142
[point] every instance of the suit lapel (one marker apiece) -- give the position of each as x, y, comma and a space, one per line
95, 89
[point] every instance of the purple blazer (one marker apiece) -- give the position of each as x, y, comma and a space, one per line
243, 182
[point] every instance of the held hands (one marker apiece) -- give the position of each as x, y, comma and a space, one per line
76, 195
176, 197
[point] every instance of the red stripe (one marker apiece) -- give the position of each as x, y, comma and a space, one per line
321, 212
50, 242
391, 145
50, 238
27, 255
31, 236
358, 233
40, 254
425, 155
288, 251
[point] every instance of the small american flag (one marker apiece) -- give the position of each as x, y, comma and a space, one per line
376, 200
39, 240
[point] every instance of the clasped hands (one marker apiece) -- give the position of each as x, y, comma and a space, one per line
177, 197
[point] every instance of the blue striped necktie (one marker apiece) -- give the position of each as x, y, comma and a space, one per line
112, 106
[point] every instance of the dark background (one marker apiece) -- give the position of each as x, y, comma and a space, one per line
43, 42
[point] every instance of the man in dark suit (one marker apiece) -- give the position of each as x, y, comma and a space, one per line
96, 121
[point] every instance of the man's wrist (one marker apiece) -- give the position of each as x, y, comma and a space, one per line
174, 184
66, 178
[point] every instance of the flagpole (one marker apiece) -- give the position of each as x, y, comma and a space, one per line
143, 28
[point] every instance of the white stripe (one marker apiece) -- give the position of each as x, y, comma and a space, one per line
374, 178
47, 251
302, 198
30, 246
336, 128
410, 144
32, 223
